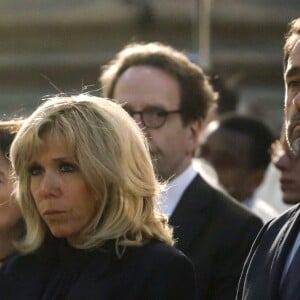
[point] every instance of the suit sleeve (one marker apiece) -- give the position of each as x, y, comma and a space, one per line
232, 260
241, 285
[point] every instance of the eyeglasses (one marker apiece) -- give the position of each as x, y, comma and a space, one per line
152, 117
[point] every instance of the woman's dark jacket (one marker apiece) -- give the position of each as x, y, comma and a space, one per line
59, 272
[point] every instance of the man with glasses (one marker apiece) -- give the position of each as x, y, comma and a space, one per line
170, 98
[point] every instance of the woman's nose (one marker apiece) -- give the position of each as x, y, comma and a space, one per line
49, 185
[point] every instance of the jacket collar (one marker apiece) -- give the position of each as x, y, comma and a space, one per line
191, 213
283, 242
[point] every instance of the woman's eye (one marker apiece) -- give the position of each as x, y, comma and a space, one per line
67, 167
35, 170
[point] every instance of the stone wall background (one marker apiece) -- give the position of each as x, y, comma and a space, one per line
52, 46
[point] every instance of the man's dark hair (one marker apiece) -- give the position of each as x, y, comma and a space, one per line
196, 93
228, 97
8, 130
259, 133
292, 37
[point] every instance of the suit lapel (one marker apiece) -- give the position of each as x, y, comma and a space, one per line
283, 244
191, 213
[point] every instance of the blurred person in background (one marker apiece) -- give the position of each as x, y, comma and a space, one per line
11, 224
270, 189
288, 165
228, 96
227, 102
237, 147
87, 191
170, 97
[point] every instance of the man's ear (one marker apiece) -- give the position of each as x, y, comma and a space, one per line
196, 128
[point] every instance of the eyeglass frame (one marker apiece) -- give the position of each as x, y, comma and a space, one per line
141, 113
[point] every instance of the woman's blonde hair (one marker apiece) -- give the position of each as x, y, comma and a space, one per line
113, 156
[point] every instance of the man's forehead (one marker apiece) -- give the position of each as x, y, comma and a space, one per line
293, 63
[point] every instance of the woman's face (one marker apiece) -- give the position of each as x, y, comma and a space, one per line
9, 212
62, 196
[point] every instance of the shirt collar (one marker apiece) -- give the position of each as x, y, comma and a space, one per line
170, 197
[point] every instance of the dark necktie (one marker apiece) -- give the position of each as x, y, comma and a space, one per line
290, 288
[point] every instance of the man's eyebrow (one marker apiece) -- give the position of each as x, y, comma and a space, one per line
292, 72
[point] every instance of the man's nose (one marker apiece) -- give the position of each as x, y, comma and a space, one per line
282, 162
137, 116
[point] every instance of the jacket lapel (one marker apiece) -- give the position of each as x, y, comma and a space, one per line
191, 213
283, 244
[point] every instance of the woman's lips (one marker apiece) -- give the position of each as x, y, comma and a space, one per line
53, 212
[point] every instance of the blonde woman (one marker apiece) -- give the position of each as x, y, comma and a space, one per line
10, 217
87, 189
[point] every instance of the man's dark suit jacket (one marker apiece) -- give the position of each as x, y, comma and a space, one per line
216, 233
263, 269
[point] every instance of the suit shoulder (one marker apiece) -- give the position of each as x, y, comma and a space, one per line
157, 259
227, 207
276, 224
165, 272
156, 251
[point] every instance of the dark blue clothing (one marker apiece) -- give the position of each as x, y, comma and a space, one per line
262, 272
57, 271
216, 233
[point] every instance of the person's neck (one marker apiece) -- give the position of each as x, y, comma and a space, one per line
177, 173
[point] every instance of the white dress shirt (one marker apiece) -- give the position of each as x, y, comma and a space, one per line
169, 198
265, 211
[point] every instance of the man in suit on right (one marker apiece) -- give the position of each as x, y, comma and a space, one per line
170, 97
272, 269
